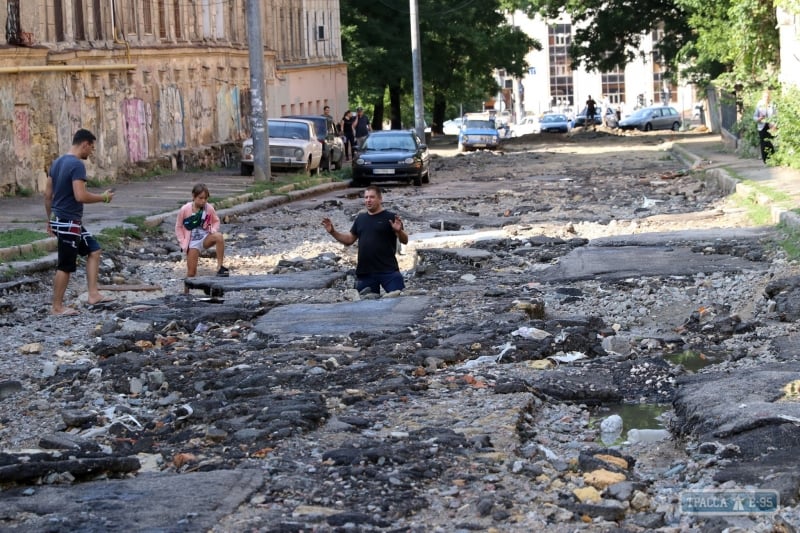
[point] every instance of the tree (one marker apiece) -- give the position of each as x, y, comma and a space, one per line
609, 33
462, 43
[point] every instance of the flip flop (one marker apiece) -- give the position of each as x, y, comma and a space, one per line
67, 312
105, 303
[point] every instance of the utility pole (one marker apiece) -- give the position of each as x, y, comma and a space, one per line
416, 64
258, 102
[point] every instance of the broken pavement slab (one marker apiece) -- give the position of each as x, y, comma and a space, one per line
344, 318
615, 263
194, 501
310, 279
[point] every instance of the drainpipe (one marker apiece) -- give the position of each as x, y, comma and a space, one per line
117, 40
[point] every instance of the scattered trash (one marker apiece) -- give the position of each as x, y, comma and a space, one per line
570, 357
531, 333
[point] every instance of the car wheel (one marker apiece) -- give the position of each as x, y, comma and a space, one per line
676, 126
426, 178
648, 127
247, 170
418, 180
337, 165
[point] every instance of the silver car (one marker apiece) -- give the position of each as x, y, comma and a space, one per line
293, 145
652, 118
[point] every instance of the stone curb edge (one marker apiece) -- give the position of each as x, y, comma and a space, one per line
244, 205
721, 178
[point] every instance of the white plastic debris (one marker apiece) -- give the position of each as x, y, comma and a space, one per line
531, 333
569, 357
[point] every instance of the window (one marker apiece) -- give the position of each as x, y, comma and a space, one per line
320, 33
80, 26
147, 16
98, 21
177, 18
162, 19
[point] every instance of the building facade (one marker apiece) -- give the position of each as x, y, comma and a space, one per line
554, 84
163, 81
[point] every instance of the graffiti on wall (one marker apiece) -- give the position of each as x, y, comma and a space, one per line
135, 129
171, 119
22, 132
229, 125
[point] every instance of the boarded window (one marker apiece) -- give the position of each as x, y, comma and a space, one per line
80, 25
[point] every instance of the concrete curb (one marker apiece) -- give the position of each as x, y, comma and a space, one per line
721, 178
244, 204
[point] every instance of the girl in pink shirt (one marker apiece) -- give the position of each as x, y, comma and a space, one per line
197, 229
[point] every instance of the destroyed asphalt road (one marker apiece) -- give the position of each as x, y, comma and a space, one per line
479, 408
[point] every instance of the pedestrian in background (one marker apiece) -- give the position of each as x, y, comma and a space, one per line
377, 232
764, 118
348, 134
591, 111
64, 196
197, 229
361, 127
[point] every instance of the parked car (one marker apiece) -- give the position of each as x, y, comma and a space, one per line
652, 118
392, 155
554, 123
611, 118
451, 127
476, 134
293, 144
332, 144
526, 126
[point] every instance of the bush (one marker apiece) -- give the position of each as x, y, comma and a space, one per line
787, 136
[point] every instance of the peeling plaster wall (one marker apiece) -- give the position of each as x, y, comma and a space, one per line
137, 116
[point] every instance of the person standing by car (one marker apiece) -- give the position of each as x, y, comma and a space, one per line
326, 112
361, 126
64, 196
346, 127
763, 116
591, 111
377, 231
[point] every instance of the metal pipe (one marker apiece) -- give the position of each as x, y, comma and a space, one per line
65, 68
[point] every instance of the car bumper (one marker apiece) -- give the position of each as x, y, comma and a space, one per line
378, 173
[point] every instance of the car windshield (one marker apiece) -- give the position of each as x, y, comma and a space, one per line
390, 142
480, 124
287, 130
642, 113
554, 118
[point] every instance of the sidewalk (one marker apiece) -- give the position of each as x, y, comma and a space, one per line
748, 177
159, 198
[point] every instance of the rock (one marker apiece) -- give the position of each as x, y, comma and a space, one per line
602, 478
587, 494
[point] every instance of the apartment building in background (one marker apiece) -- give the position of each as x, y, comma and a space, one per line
164, 81
553, 83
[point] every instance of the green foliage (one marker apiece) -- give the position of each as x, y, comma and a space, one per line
608, 33
790, 241
18, 237
736, 42
461, 44
787, 136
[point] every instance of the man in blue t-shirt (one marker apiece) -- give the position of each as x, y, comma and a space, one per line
377, 232
64, 196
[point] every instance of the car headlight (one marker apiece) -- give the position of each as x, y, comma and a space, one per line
494, 138
299, 153
408, 161
359, 161
465, 138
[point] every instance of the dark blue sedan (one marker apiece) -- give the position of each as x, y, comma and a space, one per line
392, 155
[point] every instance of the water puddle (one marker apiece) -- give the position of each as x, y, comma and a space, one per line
691, 360
639, 422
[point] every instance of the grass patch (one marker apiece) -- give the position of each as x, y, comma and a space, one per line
114, 238
17, 237
790, 241
759, 214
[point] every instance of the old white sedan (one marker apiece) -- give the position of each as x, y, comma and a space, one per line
293, 144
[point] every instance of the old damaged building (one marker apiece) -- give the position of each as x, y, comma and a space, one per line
161, 82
